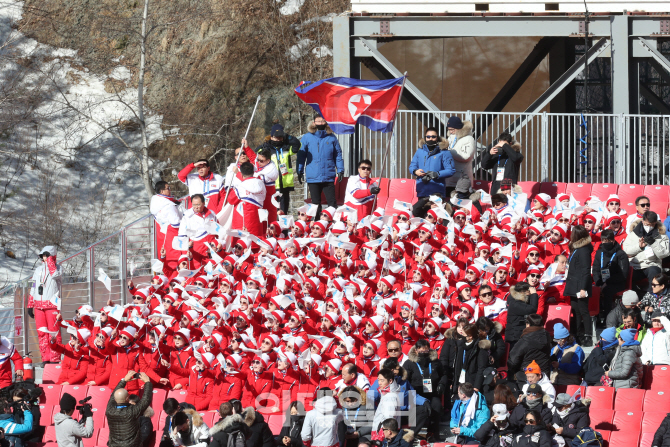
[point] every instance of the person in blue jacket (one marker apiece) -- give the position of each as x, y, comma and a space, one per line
11, 427
468, 415
568, 358
432, 166
320, 162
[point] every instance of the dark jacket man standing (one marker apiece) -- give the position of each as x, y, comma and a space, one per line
123, 419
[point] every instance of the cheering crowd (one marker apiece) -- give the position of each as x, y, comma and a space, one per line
380, 320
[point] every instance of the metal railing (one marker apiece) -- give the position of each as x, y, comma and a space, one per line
622, 148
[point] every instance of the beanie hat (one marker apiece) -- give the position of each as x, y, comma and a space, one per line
609, 335
562, 197
377, 322
277, 130
560, 332
463, 184
436, 322
455, 122
129, 331
388, 280
629, 298
533, 368
535, 389
628, 335
335, 364
67, 402
543, 199
562, 229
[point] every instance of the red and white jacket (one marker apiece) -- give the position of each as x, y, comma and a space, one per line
209, 186
194, 225
166, 211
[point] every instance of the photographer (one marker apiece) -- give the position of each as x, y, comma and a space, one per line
123, 419
11, 427
68, 431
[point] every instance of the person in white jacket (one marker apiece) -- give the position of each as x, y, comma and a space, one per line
44, 301
321, 423
389, 404
656, 342
646, 245
462, 148
189, 429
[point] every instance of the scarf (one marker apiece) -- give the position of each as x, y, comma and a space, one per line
564, 413
470, 409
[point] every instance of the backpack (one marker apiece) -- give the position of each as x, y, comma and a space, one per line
236, 439
588, 437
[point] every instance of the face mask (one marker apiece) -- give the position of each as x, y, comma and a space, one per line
296, 418
431, 143
277, 143
565, 412
424, 355
607, 245
647, 228
321, 127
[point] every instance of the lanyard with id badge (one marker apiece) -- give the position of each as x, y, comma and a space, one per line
427, 383
500, 170
605, 273
282, 166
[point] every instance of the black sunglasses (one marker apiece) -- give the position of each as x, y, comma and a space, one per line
645, 205
365, 168
431, 137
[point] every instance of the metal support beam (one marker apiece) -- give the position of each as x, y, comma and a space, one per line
661, 61
341, 47
654, 99
660, 69
521, 74
620, 49
411, 89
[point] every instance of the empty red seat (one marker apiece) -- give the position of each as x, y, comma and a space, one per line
628, 420
601, 419
402, 189
629, 192
629, 399
384, 187
572, 389
45, 414
557, 313
180, 395
93, 440
659, 378
626, 438
606, 434
51, 373
594, 302
530, 188
553, 188
656, 400
604, 190
77, 391
646, 439
276, 421
51, 394
159, 395
661, 209
161, 421
580, 191
103, 436
601, 397
50, 434
657, 193
482, 184
99, 396
208, 417
651, 420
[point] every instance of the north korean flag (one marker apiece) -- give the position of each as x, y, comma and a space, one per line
343, 102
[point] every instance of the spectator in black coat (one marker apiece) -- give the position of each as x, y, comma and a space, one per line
533, 400
289, 436
147, 434
534, 344
170, 408
535, 433
570, 417
229, 424
395, 437
578, 283
493, 378
422, 363
523, 301
505, 155
601, 355
610, 270
449, 348
491, 340
260, 434
662, 436
471, 360
496, 431
629, 300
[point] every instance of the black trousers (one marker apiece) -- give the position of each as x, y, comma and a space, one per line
607, 297
423, 413
435, 401
648, 273
285, 199
581, 325
328, 189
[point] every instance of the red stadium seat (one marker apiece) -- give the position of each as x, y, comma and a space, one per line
655, 400
103, 436
276, 421
99, 419
657, 193
594, 301
661, 209
159, 395
553, 188
180, 395
646, 439
50, 434
99, 396
629, 192
652, 420
628, 420
580, 191
341, 190
601, 397
557, 313
51, 373
77, 391
604, 190
606, 434
384, 188
93, 440
45, 414
530, 188
51, 394
628, 399
572, 389
161, 421
659, 378
626, 438
402, 189
481, 184
601, 419
208, 418
50, 444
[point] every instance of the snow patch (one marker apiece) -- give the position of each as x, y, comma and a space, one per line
300, 49
120, 73
291, 7
322, 51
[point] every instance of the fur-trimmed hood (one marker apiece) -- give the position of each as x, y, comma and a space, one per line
466, 130
659, 226
195, 417
452, 334
546, 399
486, 343
441, 142
518, 295
413, 356
229, 422
581, 243
251, 417
475, 196
149, 412
408, 436
516, 146
311, 128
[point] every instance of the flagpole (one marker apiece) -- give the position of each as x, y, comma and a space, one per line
388, 139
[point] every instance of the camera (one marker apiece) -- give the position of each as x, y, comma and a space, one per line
85, 409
